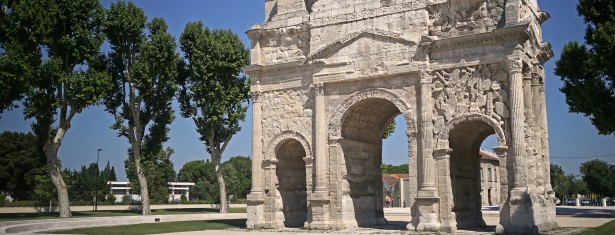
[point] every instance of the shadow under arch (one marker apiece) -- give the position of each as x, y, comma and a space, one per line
292, 155
355, 131
463, 135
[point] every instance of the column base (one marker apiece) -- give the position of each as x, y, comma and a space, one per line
428, 218
319, 217
530, 213
256, 207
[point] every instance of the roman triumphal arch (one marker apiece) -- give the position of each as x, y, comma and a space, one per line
328, 76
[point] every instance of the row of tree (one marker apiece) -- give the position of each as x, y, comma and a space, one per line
597, 176
51, 60
22, 174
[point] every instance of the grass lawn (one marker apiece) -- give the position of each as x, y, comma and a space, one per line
608, 228
54, 215
167, 227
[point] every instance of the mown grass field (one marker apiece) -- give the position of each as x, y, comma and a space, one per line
54, 215
155, 228
608, 228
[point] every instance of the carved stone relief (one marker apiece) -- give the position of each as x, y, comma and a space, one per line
475, 89
285, 44
454, 18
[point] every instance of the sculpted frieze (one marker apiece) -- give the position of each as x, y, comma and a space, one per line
475, 89
462, 17
285, 44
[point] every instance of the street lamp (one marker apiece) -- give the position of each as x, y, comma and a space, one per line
97, 179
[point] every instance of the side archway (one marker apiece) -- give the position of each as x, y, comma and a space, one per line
458, 153
291, 153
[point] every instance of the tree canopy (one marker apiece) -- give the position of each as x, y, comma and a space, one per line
50, 60
588, 71
213, 91
143, 64
21, 160
599, 176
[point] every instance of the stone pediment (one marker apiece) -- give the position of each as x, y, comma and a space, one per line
342, 42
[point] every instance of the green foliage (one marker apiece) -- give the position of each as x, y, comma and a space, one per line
83, 183
2, 197
158, 170
21, 160
202, 173
54, 46
389, 130
213, 93
390, 169
599, 176
143, 63
44, 190
588, 72
237, 173
560, 182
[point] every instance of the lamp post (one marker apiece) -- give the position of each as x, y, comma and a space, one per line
97, 179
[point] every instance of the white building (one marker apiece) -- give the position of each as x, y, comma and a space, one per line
121, 189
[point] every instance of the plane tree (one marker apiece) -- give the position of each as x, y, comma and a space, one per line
51, 52
213, 91
143, 66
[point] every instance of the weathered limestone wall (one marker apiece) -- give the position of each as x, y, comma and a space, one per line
331, 74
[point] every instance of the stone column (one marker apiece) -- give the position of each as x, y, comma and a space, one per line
255, 199
320, 198
537, 136
502, 151
530, 129
545, 137
448, 221
427, 185
426, 205
517, 124
255, 49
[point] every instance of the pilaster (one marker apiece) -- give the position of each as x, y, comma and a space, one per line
256, 198
427, 202
320, 200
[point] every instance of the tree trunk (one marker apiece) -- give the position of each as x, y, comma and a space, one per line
142, 181
51, 152
223, 206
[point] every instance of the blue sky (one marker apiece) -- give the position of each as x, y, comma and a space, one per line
571, 136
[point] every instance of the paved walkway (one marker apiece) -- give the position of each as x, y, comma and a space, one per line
571, 219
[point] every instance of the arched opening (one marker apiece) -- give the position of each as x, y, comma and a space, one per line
490, 173
467, 172
292, 185
362, 129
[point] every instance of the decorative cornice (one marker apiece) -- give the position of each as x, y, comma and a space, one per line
367, 14
517, 31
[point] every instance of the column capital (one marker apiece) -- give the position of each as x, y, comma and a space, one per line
426, 77
442, 153
256, 96
515, 65
318, 88
255, 32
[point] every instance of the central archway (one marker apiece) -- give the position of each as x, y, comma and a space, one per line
362, 121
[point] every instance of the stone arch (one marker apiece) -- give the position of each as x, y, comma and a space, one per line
461, 138
291, 154
442, 138
335, 123
274, 144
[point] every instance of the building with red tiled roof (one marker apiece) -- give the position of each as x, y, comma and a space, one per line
397, 187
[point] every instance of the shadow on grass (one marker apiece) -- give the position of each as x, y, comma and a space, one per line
154, 228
